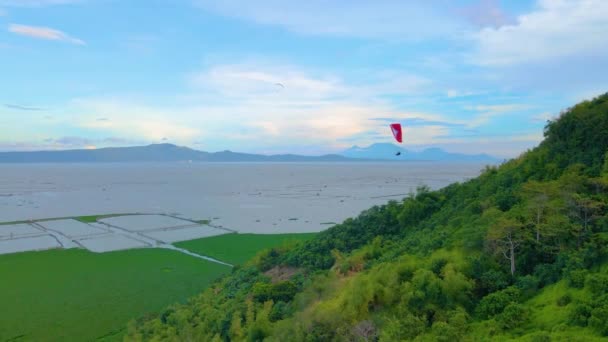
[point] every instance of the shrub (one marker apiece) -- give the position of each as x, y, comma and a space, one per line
564, 300
579, 314
597, 284
283, 291
527, 284
492, 281
494, 303
576, 278
599, 320
513, 316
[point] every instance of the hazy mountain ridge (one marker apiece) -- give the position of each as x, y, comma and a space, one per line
388, 152
150, 153
173, 153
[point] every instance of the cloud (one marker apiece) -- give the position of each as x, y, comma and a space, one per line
259, 80
66, 142
488, 112
384, 19
543, 117
239, 106
43, 33
141, 125
417, 121
453, 93
19, 107
71, 141
555, 29
486, 13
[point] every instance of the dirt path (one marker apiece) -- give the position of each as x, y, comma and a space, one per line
157, 243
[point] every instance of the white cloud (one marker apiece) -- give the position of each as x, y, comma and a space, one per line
543, 117
45, 33
265, 82
242, 106
453, 93
385, 19
487, 112
555, 29
128, 119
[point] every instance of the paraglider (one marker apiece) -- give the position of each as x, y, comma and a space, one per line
398, 134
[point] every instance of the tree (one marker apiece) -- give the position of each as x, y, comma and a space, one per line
236, 328
505, 238
538, 195
365, 331
583, 209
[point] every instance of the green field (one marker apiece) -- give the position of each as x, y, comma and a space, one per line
75, 295
238, 248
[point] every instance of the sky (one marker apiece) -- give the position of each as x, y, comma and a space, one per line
289, 76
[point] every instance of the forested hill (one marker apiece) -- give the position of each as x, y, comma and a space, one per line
517, 253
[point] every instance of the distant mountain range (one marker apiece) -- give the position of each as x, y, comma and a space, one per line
173, 153
389, 151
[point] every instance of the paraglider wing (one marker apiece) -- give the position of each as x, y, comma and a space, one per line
397, 132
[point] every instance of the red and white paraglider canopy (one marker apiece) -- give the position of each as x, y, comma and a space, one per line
397, 132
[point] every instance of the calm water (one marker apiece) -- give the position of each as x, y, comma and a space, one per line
260, 197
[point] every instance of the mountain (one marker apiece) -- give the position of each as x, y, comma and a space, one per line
173, 153
519, 253
388, 152
153, 153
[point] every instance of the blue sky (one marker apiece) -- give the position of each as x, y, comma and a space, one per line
468, 76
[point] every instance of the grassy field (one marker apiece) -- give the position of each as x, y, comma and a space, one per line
238, 248
75, 295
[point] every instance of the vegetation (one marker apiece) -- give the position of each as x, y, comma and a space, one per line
518, 253
236, 249
95, 218
75, 295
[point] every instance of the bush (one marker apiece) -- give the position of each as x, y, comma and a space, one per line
539, 336
513, 316
576, 278
579, 314
494, 303
599, 320
442, 331
547, 273
597, 284
279, 311
528, 285
437, 265
492, 281
406, 327
564, 300
283, 291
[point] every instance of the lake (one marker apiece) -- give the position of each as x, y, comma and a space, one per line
246, 197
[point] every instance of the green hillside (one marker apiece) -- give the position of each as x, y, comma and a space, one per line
518, 253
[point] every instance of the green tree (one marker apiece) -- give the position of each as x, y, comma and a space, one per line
505, 238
